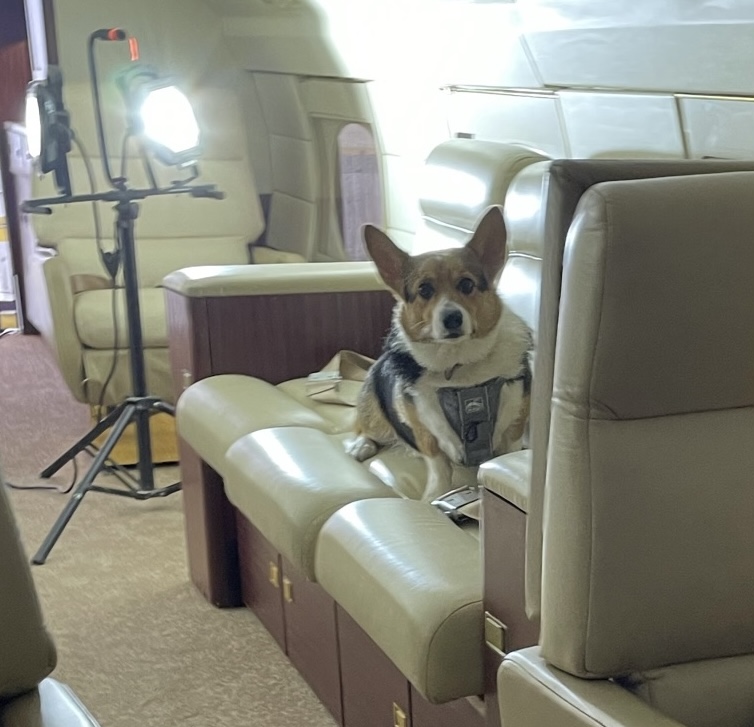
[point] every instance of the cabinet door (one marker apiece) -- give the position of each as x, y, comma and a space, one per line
375, 693
311, 636
261, 579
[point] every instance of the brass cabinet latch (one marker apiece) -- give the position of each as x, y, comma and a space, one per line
494, 633
287, 590
273, 574
399, 717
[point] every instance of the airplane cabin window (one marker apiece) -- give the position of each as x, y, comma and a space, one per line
360, 199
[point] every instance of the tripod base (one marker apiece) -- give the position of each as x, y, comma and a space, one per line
133, 409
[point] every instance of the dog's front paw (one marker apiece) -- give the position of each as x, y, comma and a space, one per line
361, 448
439, 478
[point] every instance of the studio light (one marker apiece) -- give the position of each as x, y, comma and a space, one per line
160, 113
48, 130
160, 116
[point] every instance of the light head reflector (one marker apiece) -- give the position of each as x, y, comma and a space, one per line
161, 114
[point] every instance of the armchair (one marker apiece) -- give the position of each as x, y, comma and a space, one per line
171, 232
646, 595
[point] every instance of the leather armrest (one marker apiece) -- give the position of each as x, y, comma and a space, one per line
533, 694
273, 279
508, 476
52, 704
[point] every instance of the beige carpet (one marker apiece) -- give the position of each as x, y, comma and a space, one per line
135, 640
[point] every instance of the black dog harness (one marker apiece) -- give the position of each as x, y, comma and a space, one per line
472, 412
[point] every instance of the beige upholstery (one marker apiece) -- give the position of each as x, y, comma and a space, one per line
564, 185
29, 697
413, 581
172, 232
646, 570
288, 504
460, 179
374, 548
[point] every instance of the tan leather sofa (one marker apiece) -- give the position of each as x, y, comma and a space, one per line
29, 697
649, 512
172, 232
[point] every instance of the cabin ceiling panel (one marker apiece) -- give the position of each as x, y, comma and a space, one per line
718, 128
560, 14
533, 121
621, 125
699, 58
283, 111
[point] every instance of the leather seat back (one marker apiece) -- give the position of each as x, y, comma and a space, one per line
567, 180
460, 179
649, 505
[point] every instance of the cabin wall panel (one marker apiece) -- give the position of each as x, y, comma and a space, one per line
718, 128
283, 111
257, 133
402, 185
534, 121
630, 125
294, 167
336, 99
180, 37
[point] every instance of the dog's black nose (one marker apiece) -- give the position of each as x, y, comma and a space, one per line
453, 320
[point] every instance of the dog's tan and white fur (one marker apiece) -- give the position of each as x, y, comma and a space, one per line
450, 328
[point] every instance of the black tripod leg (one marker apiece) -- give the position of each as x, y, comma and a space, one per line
164, 407
83, 487
84, 442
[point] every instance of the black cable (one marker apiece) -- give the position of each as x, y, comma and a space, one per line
55, 488
111, 263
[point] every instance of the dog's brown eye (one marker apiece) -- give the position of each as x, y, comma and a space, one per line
466, 285
426, 290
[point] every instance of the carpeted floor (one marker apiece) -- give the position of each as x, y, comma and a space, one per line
136, 641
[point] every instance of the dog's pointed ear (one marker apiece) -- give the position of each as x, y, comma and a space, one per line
489, 242
388, 257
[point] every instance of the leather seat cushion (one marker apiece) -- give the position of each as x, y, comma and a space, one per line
288, 481
413, 581
215, 412
93, 318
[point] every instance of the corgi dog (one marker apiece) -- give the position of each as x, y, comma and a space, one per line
454, 377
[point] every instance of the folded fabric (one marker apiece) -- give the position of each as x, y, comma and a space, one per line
340, 380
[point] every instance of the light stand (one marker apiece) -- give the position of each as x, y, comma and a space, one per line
139, 407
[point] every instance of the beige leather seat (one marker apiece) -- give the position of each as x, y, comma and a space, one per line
649, 506
171, 232
29, 697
